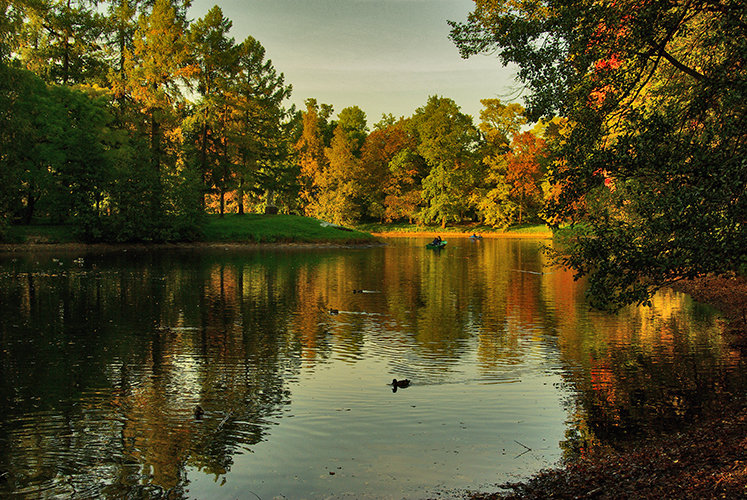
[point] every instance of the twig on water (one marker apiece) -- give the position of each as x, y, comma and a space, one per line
525, 446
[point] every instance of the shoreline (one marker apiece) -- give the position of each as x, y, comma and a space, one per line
197, 245
446, 234
33, 246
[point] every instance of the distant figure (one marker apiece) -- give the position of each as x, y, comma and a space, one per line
199, 412
437, 240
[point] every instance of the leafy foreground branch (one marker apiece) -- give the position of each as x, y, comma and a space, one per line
707, 461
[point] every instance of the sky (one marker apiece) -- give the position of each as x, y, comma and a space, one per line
384, 56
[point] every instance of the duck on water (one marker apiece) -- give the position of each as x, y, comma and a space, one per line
399, 384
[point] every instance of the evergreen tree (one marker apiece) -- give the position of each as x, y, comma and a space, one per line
155, 68
214, 56
62, 41
258, 126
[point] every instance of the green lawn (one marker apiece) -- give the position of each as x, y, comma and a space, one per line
276, 228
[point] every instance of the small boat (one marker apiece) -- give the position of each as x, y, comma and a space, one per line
475, 237
436, 246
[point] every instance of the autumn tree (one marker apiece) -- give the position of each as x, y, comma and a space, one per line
155, 68
525, 169
214, 56
310, 153
389, 187
653, 166
492, 199
337, 182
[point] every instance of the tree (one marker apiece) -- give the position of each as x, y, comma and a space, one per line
353, 121
258, 125
154, 69
62, 41
653, 166
447, 140
499, 123
337, 182
524, 172
492, 199
388, 189
310, 151
215, 57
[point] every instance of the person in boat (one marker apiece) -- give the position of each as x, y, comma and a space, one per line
437, 241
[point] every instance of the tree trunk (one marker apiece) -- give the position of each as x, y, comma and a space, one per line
155, 141
203, 164
30, 203
240, 195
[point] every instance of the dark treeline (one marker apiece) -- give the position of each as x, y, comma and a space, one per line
131, 121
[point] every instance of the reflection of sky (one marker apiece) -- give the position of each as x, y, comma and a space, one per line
385, 56
344, 419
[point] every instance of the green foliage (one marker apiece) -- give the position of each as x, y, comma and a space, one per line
447, 141
135, 122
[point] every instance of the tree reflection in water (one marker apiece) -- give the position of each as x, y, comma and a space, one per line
103, 361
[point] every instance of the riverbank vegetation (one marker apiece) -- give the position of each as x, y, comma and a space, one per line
651, 161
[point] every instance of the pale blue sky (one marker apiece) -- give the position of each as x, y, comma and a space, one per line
385, 56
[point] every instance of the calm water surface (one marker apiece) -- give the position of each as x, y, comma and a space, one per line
104, 358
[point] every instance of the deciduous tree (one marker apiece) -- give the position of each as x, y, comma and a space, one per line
447, 140
653, 167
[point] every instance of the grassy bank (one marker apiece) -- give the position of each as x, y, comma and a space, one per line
524, 230
249, 228
257, 228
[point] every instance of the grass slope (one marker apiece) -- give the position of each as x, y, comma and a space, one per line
256, 228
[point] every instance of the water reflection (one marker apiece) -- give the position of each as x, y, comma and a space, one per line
104, 358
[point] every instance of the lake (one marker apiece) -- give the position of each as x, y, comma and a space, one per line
290, 352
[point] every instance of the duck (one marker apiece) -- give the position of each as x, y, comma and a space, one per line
400, 383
